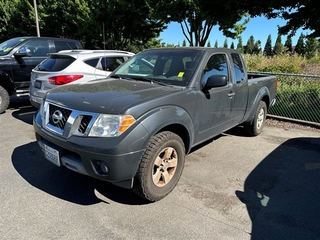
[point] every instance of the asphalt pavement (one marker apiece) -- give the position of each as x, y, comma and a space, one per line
232, 187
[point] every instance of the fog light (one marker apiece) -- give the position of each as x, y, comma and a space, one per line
104, 167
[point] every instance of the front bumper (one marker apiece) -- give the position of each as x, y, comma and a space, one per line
90, 156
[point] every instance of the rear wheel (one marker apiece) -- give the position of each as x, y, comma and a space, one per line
4, 99
161, 166
259, 120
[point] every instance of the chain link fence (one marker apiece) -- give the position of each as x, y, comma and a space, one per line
298, 98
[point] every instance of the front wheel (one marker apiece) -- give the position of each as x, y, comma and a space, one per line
4, 99
161, 166
259, 120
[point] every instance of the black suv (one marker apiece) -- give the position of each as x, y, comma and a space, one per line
18, 56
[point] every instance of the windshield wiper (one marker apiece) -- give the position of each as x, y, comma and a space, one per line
120, 77
150, 80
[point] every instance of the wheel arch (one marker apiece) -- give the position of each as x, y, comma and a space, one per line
6, 83
178, 122
263, 95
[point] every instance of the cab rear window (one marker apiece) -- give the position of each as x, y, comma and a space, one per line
55, 63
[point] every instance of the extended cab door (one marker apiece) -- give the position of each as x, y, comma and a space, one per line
27, 57
214, 111
240, 88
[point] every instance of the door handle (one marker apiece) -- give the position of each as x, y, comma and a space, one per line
231, 94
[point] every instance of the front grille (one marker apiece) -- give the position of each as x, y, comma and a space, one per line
84, 123
62, 116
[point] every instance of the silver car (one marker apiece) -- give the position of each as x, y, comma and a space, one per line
73, 66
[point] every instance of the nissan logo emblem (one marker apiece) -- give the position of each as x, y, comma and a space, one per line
57, 116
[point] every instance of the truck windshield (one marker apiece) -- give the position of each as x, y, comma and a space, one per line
6, 46
173, 66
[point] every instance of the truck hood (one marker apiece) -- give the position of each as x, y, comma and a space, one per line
112, 96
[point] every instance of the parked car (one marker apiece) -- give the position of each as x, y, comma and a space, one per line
18, 56
72, 66
135, 128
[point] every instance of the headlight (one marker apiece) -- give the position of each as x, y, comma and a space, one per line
111, 125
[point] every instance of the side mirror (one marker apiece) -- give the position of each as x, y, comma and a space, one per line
216, 81
23, 52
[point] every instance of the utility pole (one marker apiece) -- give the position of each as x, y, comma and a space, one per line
36, 14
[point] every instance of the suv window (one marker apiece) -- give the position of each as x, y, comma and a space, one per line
92, 62
55, 63
110, 63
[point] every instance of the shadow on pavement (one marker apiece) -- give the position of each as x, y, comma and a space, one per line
30, 163
282, 193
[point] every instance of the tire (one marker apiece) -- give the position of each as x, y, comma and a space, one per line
259, 120
4, 99
161, 166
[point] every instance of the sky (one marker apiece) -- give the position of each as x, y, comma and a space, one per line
258, 27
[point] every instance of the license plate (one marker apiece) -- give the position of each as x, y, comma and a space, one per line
52, 155
37, 84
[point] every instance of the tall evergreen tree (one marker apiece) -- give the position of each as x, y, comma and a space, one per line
232, 45
216, 44
300, 46
225, 44
288, 44
278, 47
256, 47
248, 49
184, 43
268, 47
239, 45
311, 47
209, 44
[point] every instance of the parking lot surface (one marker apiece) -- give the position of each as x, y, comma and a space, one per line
232, 187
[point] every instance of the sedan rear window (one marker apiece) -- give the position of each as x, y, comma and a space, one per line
55, 63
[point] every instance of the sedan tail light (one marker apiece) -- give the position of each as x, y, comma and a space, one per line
63, 79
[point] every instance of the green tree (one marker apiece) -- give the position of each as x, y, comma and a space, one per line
184, 43
249, 48
256, 47
232, 45
16, 13
278, 47
297, 14
225, 44
76, 15
300, 46
216, 44
268, 47
240, 45
288, 44
198, 17
209, 44
111, 26
311, 48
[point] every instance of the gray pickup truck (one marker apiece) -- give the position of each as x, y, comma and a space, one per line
134, 128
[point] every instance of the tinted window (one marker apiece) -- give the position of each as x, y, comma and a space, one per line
92, 62
38, 48
238, 67
217, 65
55, 63
65, 45
111, 63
